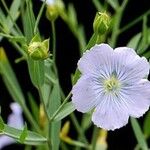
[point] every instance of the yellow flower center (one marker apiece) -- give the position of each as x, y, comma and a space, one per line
111, 84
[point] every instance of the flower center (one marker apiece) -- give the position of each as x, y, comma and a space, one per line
111, 84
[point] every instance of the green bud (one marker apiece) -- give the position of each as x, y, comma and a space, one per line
39, 50
101, 23
53, 10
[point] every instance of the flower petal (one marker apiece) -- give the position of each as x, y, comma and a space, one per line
110, 114
99, 57
129, 66
137, 98
5, 141
84, 94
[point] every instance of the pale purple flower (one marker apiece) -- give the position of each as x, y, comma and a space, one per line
49, 2
113, 85
15, 120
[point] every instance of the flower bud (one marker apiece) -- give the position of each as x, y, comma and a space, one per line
42, 116
101, 23
101, 142
39, 50
53, 9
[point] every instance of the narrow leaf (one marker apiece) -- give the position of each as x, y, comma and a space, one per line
2, 126
138, 134
31, 139
55, 100
146, 125
36, 71
10, 79
134, 41
67, 109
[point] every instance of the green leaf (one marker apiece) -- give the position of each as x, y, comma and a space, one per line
146, 126
28, 20
92, 41
67, 109
113, 3
10, 79
33, 106
36, 71
54, 103
32, 138
98, 5
14, 12
24, 134
72, 16
2, 125
138, 134
86, 121
134, 41
144, 42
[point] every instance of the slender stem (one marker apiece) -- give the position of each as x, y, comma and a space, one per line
39, 17
78, 127
94, 137
97, 4
42, 101
54, 40
30, 16
48, 118
30, 118
60, 107
118, 17
134, 22
7, 10
16, 45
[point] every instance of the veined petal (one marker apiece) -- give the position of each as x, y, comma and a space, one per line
137, 98
110, 114
99, 57
129, 66
84, 96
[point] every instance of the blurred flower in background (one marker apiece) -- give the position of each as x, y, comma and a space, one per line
15, 119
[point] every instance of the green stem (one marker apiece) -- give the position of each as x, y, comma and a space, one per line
60, 107
30, 118
97, 5
78, 127
39, 17
54, 40
29, 9
131, 24
7, 10
48, 118
94, 137
42, 101
118, 17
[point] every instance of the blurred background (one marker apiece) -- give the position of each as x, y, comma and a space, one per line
68, 55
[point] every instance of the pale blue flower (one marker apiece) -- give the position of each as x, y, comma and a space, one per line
113, 85
49, 2
15, 120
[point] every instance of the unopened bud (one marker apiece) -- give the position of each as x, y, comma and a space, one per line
42, 116
39, 50
101, 23
54, 9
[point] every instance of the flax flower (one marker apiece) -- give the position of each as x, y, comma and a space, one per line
113, 84
15, 120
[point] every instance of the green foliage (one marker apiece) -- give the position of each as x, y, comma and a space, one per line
34, 50
139, 134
